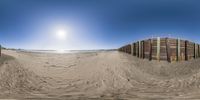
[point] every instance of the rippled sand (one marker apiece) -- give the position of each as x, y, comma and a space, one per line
96, 75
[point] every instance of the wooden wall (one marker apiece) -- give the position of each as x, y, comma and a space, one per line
168, 49
0, 50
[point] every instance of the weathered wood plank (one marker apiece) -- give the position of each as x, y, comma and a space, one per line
0, 50
158, 48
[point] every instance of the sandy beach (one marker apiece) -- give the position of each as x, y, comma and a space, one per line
102, 75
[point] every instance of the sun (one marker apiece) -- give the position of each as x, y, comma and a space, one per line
61, 34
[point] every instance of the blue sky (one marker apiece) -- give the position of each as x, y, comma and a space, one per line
95, 24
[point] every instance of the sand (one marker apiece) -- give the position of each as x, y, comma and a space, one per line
102, 75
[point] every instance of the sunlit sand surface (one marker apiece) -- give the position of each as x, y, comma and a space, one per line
95, 75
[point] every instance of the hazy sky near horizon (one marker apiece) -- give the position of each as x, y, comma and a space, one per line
95, 24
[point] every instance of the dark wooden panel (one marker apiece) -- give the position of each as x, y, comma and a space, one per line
173, 49
198, 50
147, 49
182, 50
163, 52
154, 48
137, 49
190, 50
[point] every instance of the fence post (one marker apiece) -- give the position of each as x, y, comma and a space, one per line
195, 50
0, 50
143, 49
186, 50
139, 49
167, 49
137, 45
178, 49
131, 48
126, 49
150, 49
158, 48
198, 51
134, 49
196, 45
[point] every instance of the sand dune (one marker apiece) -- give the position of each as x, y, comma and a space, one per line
96, 75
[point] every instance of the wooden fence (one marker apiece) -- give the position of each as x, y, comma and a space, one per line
168, 49
0, 50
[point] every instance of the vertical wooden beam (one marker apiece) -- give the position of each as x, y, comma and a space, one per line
198, 50
158, 48
131, 48
150, 49
178, 49
0, 50
134, 47
195, 50
143, 49
126, 49
139, 49
167, 49
197, 53
186, 50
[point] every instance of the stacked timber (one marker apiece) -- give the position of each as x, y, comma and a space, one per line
168, 49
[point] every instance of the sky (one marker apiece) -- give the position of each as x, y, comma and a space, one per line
95, 24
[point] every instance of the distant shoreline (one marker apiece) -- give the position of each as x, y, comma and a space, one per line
63, 51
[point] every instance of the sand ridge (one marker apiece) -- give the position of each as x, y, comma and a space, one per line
96, 75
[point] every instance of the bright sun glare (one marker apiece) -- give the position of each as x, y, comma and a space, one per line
61, 34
